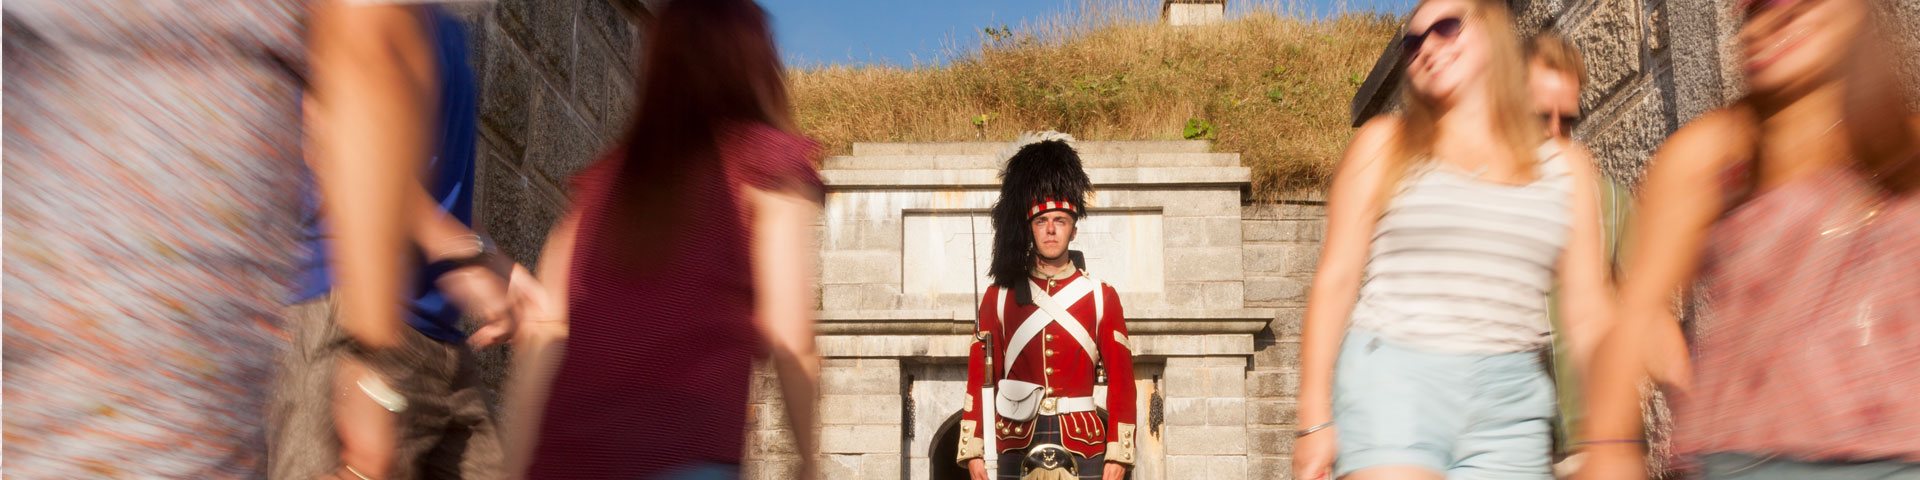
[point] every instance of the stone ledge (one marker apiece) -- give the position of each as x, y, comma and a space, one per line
1143, 321
1090, 160
994, 148
841, 180
955, 346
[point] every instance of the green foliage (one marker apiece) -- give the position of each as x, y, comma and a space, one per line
1198, 129
997, 35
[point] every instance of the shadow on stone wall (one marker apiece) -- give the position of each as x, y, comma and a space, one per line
556, 85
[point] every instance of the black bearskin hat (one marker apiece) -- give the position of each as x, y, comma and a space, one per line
1040, 176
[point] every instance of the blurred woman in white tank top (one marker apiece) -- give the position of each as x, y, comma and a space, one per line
1448, 224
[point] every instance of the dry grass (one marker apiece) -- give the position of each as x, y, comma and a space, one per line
1275, 87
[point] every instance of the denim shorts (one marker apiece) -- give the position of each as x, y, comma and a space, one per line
1464, 416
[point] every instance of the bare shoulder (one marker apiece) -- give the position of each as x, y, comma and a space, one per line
1708, 144
1365, 155
1377, 133
1578, 159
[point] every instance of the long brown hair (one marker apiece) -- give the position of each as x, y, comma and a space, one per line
1513, 121
1878, 109
708, 65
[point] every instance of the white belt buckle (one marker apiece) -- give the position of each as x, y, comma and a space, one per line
1049, 406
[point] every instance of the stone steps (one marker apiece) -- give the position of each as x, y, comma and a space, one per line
863, 149
990, 162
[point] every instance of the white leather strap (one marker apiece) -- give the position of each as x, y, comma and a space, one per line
1037, 322
1099, 302
1080, 287
1073, 404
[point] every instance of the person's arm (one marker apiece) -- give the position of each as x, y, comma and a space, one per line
1353, 205
1682, 197
1586, 299
372, 75
372, 70
783, 310
537, 346
1117, 354
481, 291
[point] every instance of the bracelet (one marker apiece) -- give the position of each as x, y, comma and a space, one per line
382, 394
481, 255
1309, 430
480, 259
469, 245
357, 473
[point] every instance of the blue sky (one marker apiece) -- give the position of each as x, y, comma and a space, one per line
812, 32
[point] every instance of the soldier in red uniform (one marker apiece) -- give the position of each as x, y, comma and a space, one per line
1054, 333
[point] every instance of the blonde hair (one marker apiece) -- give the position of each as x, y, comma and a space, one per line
1558, 54
1513, 119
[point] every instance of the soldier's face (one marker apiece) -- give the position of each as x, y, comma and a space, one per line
1051, 233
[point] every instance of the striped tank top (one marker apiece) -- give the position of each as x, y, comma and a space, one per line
1461, 265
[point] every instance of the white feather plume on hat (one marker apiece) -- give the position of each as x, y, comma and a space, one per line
1028, 138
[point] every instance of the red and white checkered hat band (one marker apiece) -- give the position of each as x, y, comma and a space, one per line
1049, 204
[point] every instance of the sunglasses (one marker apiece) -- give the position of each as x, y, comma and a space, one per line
1410, 43
1567, 121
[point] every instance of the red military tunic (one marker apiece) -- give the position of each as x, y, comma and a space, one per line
1053, 358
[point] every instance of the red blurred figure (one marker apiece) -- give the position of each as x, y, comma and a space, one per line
1797, 210
683, 261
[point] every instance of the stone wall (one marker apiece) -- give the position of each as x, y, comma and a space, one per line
1901, 18
556, 84
903, 241
1652, 65
1282, 249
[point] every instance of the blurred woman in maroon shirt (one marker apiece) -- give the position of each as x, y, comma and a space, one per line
683, 261
1797, 211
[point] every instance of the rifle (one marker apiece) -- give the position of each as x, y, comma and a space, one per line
988, 418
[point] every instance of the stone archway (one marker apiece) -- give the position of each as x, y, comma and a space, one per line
945, 444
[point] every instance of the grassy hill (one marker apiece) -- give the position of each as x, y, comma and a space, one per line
1269, 85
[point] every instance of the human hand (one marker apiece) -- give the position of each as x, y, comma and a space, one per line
482, 294
1313, 455
530, 303
1114, 471
977, 468
368, 432
542, 315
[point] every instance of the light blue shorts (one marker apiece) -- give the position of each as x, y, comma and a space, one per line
1460, 415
